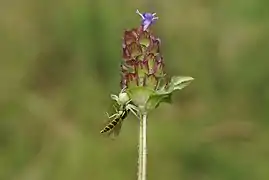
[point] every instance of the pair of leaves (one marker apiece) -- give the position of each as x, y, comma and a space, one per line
147, 99
164, 93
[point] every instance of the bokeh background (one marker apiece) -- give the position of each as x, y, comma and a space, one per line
60, 62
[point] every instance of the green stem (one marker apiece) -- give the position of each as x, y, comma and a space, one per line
142, 156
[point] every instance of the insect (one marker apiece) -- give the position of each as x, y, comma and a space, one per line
116, 122
122, 107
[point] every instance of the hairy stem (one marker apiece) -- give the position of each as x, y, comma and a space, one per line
142, 156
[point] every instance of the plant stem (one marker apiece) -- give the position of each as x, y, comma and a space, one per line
142, 156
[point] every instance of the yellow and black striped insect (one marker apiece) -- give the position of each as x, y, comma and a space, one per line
115, 124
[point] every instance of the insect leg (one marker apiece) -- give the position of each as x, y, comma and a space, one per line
123, 90
114, 97
133, 109
112, 116
115, 109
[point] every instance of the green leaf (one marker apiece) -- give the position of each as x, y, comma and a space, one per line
180, 82
155, 100
147, 99
164, 94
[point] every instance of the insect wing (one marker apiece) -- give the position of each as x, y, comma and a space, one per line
113, 126
116, 130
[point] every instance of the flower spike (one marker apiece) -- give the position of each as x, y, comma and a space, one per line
144, 83
147, 19
142, 67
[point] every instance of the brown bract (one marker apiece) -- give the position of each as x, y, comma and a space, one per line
142, 63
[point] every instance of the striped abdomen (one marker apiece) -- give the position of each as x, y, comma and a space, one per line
111, 125
115, 122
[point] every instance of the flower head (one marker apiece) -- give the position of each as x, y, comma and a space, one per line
142, 68
147, 19
142, 64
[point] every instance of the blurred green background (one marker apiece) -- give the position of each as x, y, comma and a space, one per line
60, 62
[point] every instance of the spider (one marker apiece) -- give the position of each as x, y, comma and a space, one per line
124, 102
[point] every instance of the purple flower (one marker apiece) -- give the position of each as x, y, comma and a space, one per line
147, 19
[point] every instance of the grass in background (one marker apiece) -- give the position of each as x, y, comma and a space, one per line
59, 64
